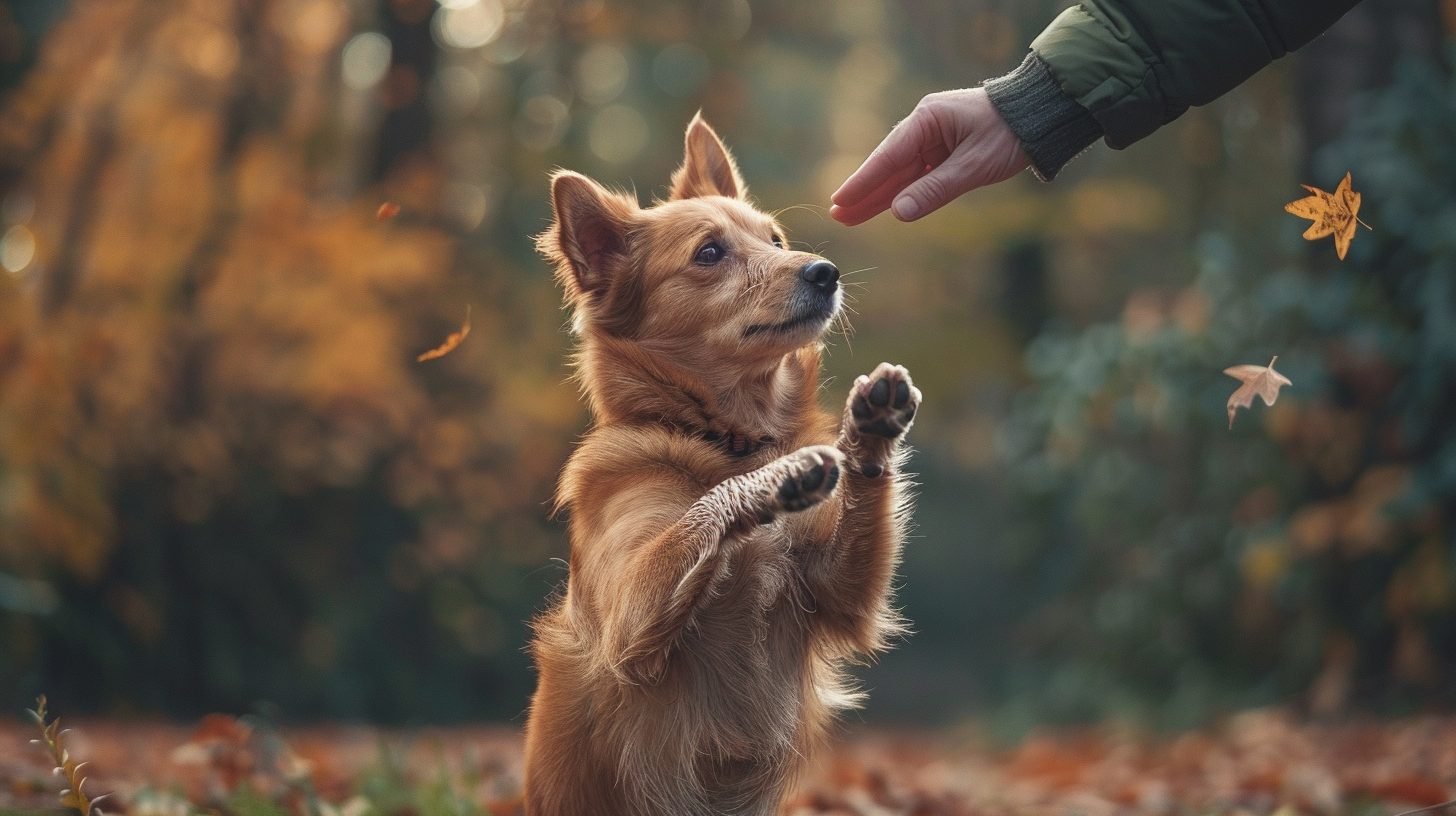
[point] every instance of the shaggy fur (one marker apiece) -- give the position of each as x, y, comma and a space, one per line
732, 545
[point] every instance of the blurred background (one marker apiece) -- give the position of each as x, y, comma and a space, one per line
226, 484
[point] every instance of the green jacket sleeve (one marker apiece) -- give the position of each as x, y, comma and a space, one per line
1130, 66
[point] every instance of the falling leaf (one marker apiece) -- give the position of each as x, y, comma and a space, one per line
386, 211
1332, 213
451, 342
1261, 380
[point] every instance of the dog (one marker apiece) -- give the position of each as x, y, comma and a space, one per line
732, 544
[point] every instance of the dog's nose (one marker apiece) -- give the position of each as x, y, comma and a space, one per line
823, 275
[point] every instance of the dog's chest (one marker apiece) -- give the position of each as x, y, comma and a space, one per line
747, 649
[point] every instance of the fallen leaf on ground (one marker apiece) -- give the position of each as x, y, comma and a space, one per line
1268, 762
1262, 381
386, 211
1332, 213
451, 342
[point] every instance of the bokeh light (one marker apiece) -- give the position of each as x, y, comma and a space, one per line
312, 26
511, 44
469, 24
365, 60
726, 19
618, 134
458, 88
542, 122
601, 74
465, 204
17, 249
210, 51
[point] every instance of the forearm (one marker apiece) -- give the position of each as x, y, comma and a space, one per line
665, 583
849, 575
849, 569
1121, 69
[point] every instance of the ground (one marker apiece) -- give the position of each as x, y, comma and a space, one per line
1258, 762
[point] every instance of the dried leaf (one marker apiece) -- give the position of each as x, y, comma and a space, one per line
386, 211
1332, 213
451, 342
1407, 787
1262, 381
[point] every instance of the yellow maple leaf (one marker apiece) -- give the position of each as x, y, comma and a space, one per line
1332, 213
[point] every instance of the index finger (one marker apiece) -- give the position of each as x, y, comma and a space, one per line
877, 200
900, 149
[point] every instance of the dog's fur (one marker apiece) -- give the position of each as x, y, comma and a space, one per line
721, 569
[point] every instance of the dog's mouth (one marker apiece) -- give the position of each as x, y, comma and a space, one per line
815, 316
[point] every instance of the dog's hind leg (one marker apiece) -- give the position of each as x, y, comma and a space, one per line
675, 573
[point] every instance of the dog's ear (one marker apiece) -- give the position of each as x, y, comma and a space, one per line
588, 236
707, 167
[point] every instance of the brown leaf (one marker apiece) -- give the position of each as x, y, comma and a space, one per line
222, 728
1407, 787
1332, 213
1262, 381
386, 211
451, 342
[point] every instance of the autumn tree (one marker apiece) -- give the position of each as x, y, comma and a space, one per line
219, 458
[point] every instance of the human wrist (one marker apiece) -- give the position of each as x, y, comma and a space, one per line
1051, 126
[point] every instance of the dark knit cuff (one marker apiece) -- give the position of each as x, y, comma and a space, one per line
1052, 127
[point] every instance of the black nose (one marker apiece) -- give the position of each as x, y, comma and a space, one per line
823, 275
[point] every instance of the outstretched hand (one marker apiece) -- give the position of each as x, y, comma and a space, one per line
952, 143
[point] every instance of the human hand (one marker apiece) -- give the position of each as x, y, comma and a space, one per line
952, 143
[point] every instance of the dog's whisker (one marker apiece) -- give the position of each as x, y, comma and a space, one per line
842, 327
813, 208
755, 285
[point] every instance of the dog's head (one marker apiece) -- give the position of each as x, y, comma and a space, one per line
701, 276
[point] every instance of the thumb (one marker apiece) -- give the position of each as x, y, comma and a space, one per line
952, 178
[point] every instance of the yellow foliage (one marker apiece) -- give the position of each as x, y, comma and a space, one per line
201, 306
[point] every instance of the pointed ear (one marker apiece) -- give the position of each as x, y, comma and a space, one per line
707, 167
588, 238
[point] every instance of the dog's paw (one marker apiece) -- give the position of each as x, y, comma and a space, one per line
811, 476
883, 403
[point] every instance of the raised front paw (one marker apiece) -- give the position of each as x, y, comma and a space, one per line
810, 476
883, 404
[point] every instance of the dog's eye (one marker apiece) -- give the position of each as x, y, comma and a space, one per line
778, 240
711, 253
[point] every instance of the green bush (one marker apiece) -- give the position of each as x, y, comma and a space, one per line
1310, 552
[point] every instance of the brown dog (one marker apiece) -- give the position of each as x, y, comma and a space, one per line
732, 545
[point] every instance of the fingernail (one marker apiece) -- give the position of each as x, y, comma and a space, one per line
906, 209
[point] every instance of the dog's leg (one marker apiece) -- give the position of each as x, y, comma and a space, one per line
849, 573
675, 573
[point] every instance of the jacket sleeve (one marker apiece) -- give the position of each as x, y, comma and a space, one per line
1123, 68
